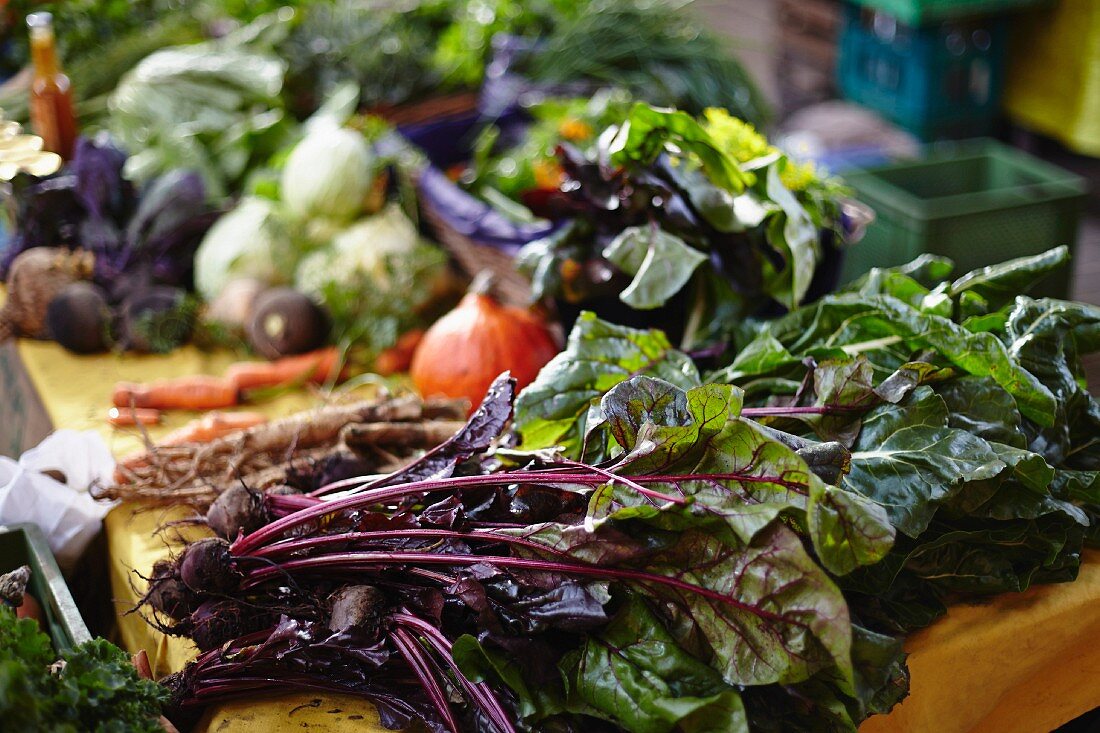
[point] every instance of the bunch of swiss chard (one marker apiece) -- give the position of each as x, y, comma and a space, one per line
961, 406
702, 216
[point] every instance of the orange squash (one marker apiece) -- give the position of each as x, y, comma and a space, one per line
465, 350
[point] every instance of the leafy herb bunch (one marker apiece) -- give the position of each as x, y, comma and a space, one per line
666, 209
93, 688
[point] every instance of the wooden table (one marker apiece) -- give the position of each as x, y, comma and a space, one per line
1021, 663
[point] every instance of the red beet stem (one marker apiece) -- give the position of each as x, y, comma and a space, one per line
266, 534
480, 691
421, 667
298, 544
367, 561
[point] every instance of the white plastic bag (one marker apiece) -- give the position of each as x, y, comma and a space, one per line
67, 514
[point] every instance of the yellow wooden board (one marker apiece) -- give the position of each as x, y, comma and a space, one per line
1022, 663
76, 390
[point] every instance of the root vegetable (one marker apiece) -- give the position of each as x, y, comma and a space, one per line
398, 358
286, 322
182, 393
212, 426
217, 621
205, 567
167, 594
316, 366
360, 436
36, 277
128, 417
79, 319
262, 456
357, 607
234, 305
238, 509
155, 320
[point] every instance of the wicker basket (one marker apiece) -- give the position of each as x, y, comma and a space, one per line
473, 257
428, 110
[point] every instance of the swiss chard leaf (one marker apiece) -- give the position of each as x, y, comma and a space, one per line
649, 131
731, 470
798, 244
980, 406
787, 619
660, 263
552, 411
998, 285
888, 331
636, 675
908, 460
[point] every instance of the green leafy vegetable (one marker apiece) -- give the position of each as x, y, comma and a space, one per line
660, 263
96, 689
974, 467
213, 107
667, 214
554, 411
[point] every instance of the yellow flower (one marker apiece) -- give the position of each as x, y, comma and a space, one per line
798, 176
737, 138
743, 143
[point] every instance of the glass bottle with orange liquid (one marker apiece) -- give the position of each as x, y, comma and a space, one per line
51, 94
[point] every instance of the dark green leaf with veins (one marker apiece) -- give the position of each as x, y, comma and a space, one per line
730, 469
636, 675
999, 284
599, 355
908, 460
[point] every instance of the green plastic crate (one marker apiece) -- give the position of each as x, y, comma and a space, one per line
23, 544
978, 202
917, 12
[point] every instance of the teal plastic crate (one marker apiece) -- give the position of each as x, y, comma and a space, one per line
978, 202
24, 544
917, 12
939, 81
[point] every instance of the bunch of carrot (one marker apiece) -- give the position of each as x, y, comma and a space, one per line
140, 403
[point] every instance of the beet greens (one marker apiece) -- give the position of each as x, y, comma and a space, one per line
699, 525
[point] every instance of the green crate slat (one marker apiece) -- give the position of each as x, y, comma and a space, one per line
24, 544
917, 12
978, 202
939, 81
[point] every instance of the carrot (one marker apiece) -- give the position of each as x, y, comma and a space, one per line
397, 358
122, 417
183, 393
212, 426
316, 366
